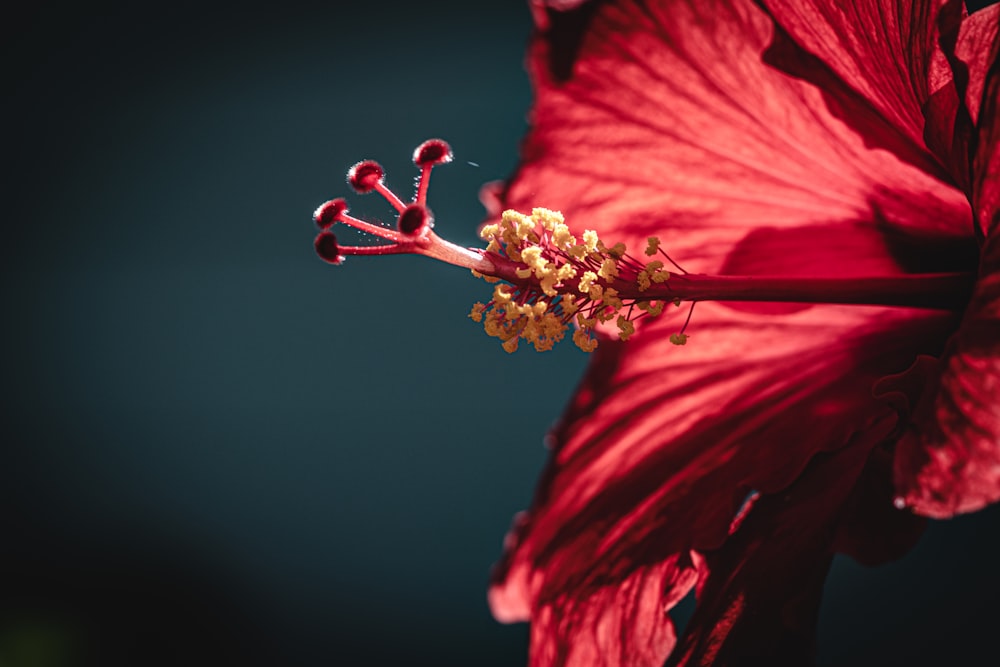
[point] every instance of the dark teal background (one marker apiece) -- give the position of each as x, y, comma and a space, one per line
218, 449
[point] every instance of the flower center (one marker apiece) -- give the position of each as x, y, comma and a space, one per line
552, 279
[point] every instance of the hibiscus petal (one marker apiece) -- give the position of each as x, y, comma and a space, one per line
919, 65
663, 120
774, 564
659, 132
621, 626
949, 460
886, 50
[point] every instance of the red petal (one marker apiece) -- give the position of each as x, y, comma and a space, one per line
658, 133
621, 626
662, 444
949, 460
662, 119
889, 54
760, 600
883, 49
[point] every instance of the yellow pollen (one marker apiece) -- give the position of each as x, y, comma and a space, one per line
548, 284
584, 341
625, 327
609, 269
562, 238
489, 279
679, 339
565, 272
610, 297
501, 294
546, 218
569, 304
538, 307
653, 246
649, 308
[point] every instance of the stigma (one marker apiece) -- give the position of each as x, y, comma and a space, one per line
413, 233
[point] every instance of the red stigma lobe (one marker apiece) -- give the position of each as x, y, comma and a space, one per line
365, 176
414, 219
327, 248
432, 152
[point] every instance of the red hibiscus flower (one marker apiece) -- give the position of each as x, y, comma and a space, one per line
794, 157
794, 139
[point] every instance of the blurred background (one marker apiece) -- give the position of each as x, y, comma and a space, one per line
218, 449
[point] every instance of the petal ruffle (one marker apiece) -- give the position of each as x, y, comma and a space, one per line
949, 459
774, 565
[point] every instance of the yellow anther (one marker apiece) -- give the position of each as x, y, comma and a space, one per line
493, 323
586, 281
562, 238
523, 273
605, 314
585, 322
526, 230
510, 345
489, 279
548, 284
654, 272
590, 240
477, 312
566, 271
609, 269
610, 297
653, 246
501, 294
584, 341
577, 251
532, 256
650, 308
546, 218
510, 219
617, 250
645, 277
596, 292
679, 339
489, 232
569, 304
625, 328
